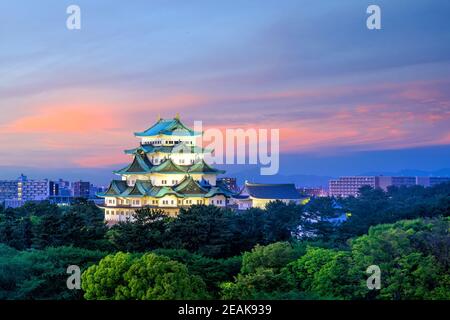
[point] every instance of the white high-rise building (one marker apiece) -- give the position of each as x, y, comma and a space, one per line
349, 186
14, 193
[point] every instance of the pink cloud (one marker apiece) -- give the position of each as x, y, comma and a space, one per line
100, 160
79, 119
93, 130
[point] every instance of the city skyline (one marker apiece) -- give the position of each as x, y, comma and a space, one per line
347, 100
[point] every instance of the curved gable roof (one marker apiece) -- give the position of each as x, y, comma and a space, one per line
178, 148
272, 191
202, 167
189, 186
168, 166
141, 188
168, 127
140, 164
115, 188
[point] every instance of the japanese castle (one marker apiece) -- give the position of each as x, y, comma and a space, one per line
167, 171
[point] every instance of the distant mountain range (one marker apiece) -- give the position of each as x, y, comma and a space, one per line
412, 172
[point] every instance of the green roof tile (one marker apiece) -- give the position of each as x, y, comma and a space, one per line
188, 186
202, 167
168, 127
140, 164
168, 166
175, 149
115, 188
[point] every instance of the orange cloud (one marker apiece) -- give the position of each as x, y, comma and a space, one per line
68, 119
100, 160
94, 131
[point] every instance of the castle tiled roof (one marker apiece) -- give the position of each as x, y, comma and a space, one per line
141, 188
271, 191
168, 166
178, 148
116, 187
170, 127
140, 165
188, 187
145, 163
202, 167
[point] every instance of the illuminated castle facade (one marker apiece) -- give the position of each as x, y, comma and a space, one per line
167, 171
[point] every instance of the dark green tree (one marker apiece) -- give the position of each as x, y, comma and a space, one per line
203, 229
146, 231
15, 230
273, 256
315, 223
282, 221
36, 274
48, 231
80, 225
248, 228
264, 283
212, 271
263, 276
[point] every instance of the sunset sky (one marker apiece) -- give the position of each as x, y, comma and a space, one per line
309, 68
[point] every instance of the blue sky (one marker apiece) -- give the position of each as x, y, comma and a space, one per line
309, 68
